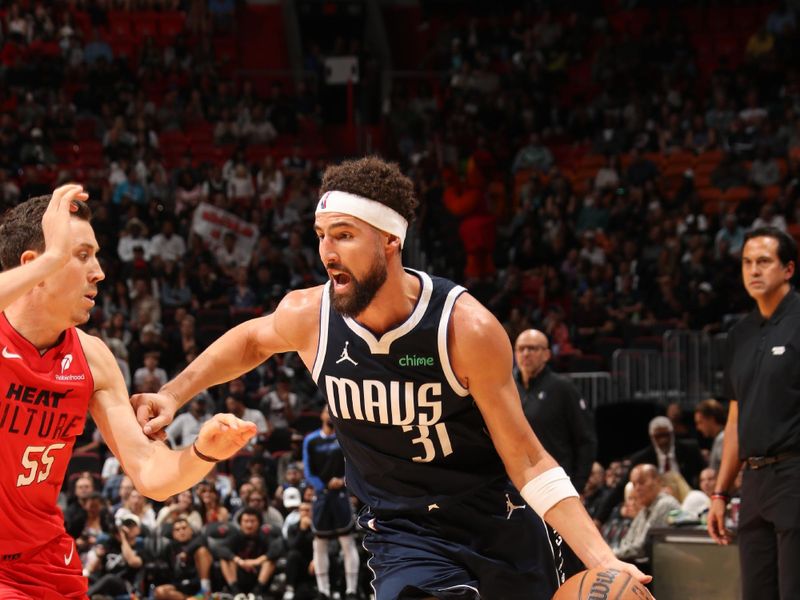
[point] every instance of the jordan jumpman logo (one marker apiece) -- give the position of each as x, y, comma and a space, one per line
511, 507
345, 356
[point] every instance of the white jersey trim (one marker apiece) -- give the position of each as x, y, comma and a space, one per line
460, 586
322, 345
558, 571
444, 355
384, 344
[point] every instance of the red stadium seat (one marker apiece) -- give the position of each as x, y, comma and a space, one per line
83, 23
145, 25
771, 193
120, 24
736, 194
124, 47
171, 24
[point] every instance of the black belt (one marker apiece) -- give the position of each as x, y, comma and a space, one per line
757, 462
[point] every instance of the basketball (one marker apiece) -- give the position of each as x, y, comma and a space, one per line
602, 584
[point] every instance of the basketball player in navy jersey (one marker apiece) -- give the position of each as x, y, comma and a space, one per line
417, 377
50, 374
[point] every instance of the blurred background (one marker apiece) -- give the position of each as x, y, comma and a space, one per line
588, 168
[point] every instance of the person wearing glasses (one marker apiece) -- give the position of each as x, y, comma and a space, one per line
560, 418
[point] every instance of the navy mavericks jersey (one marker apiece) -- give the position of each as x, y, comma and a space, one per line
412, 435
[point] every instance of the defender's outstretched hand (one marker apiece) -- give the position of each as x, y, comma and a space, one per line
55, 221
223, 436
154, 412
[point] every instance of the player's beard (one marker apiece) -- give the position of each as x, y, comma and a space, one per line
363, 290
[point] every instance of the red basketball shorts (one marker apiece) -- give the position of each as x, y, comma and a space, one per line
47, 573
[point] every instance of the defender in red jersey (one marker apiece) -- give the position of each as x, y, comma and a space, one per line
50, 374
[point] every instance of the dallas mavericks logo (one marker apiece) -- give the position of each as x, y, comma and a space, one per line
345, 355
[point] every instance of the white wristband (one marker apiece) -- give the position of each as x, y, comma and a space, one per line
546, 490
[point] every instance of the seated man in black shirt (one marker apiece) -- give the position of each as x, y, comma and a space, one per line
300, 542
114, 563
254, 554
190, 560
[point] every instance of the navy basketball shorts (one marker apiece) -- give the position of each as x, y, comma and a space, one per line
332, 513
489, 546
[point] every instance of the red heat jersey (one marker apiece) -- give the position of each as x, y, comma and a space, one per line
43, 405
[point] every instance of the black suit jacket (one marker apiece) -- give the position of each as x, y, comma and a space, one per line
687, 452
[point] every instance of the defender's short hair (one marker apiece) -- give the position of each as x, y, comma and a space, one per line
21, 228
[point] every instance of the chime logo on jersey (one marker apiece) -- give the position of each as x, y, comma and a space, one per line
412, 360
66, 363
388, 403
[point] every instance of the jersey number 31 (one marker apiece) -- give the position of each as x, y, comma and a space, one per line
41, 466
424, 439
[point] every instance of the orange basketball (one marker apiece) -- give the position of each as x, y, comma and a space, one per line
602, 584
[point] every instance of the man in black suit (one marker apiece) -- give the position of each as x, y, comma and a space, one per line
670, 454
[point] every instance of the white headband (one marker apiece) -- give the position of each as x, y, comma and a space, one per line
376, 214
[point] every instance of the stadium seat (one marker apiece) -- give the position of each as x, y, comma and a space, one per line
592, 162
731, 46
145, 25
771, 193
120, 24
679, 161
736, 194
83, 22
170, 25
124, 46
709, 157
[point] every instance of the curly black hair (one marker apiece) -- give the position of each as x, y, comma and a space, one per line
373, 178
21, 228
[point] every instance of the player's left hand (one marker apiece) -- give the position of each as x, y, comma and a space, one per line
224, 435
154, 412
628, 568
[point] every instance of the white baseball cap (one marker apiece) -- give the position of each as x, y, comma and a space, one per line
291, 497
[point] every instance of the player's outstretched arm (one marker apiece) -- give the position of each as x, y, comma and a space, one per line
34, 269
156, 471
292, 327
482, 360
